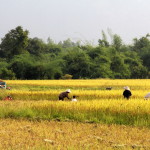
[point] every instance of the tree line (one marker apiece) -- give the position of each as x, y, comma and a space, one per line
22, 57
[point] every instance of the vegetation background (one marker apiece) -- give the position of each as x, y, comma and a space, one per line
22, 57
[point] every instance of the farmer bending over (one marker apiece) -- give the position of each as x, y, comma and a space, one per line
64, 94
127, 93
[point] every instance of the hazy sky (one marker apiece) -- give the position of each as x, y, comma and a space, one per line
76, 19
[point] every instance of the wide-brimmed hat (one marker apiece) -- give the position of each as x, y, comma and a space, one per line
68, 91
127, 88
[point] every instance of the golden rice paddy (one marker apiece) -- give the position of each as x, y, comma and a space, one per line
101, 119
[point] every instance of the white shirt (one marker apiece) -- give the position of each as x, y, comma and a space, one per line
74, 100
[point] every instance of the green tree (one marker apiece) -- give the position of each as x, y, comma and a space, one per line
7, 74
36, 46
22, 65
141, 43
117, 42
103, 42
53, 49
54, 69
77, 63
119, 68
142, 47
50, 41
68, 43
15, 42
100, 59
139, 72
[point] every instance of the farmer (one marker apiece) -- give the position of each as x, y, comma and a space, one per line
64, 94
8, 98
127, 93
147, 96
74, 99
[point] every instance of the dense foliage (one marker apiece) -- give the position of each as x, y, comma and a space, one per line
22, 57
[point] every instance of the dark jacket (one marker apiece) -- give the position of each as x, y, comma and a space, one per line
127, 94
63, 95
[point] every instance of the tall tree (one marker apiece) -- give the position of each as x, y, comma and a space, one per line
77, 63
142, 48
117, 42
103, 42
36, 46
15, 42
119, 68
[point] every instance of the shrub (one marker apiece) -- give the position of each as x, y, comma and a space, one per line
67, 76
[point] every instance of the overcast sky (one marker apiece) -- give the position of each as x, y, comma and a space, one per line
76, 19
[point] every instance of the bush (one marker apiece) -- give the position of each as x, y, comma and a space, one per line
67, 76
7, 74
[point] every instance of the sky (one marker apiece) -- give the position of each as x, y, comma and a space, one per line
76, 19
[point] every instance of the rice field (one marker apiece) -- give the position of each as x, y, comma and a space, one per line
52, 135
85, 89
102, 118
